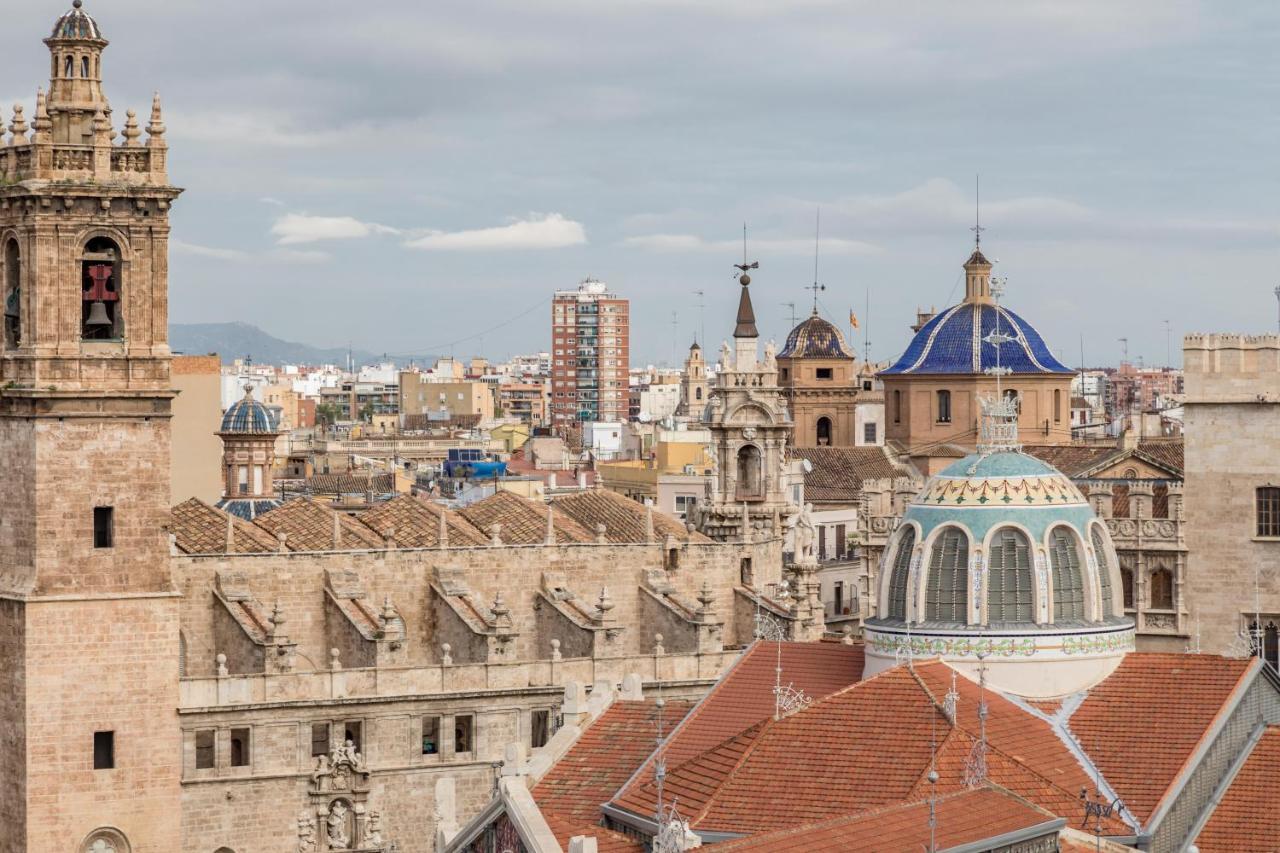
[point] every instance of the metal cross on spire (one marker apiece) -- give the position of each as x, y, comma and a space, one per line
815, 287
977, 228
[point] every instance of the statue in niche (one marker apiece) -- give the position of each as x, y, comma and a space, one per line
336, 827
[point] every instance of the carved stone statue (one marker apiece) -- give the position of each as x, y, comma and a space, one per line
336, 826
694, 516
726, 356
770, 355
806, 535
346, 754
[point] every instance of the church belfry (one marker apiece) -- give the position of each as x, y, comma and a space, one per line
85, 394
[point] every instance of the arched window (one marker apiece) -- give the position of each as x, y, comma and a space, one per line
1068, 583
697, 393
68, 67
898, 578
944, 407
1104, 571
1162, 589
750, 483
1126, 585
101, 317
897, 406
1009, 590
824, 432
84, 67
947, 592
12, 294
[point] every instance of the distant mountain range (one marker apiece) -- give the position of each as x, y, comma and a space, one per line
238, 340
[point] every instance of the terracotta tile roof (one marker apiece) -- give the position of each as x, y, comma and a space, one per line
1247, 817
201, 529
964, 817
743, 698
523, 521
416, 523
347, 484
309, 527
1074, 460
601, 761
1168, 454
622, 517
838, 472
1141, 761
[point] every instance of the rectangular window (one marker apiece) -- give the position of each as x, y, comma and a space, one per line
205, 756
319, 739
897, 407
242, 482
823, 372
869, 433
463, 733
104, 750
1160, 501
351, 732
430, 735
838, 593
103, 526
1269, 511
840, 543
1120, 501
239, 747
539, 727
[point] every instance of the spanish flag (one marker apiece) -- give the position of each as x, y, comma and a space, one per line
853, 319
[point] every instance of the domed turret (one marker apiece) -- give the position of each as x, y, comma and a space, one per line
247, 416
1000, 559
815, 338
76, 24
248, 432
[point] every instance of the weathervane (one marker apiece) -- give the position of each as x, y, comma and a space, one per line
745, 279
1097, 809
977, 228
815, 287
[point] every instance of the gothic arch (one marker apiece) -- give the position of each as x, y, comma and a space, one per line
897, 571
105, 839
823, 432
945, 584
746, 412
1069, 588
1010, 578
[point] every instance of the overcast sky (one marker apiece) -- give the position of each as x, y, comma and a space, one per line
404, 175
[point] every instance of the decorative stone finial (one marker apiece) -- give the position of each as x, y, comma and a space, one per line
388, 613
551, 527
131, 130
337, 531
101, 127
705, 599
555, 650
446, 654
442, 532
648, 523
335, 663
495, 535
221, 661
602, 534
604, 604
42, 124
501, 613
658, 648
155, 128
18, 127
277, 621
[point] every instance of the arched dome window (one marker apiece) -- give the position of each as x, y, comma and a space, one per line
84, 67
12, 293
1009, 590
1068, 583
898, 578
1104, 572
947, 593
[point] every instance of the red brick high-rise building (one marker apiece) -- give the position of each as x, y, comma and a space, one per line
590, 345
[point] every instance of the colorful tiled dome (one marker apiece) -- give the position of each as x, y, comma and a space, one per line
1001, 560
76, 24
952, 342
815, 338
247, 508
247, 416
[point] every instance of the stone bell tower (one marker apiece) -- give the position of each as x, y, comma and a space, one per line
749, 426
89, 739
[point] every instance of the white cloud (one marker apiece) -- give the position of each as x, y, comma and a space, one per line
799, 246
538, 231
297, 256
183, 248
293, 228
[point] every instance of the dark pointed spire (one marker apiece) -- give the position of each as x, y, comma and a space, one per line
746, 327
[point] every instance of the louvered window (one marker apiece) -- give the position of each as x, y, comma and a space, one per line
1068, 584
1104, 572
898, 578
947, 597
1009, 590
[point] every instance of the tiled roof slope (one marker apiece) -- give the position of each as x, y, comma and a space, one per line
1166, 453
1074, 460
838, 472
964, 817
523, 521
309, 527
201, 529
605, 755
622, 517
347, 484
416, 523
1248, 817
742, 698
1176, 697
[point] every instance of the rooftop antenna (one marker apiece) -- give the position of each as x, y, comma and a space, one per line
1124, 349
866, 330
815, 287
792, 306
1168, 345
702, 332
1277, 293
675, 331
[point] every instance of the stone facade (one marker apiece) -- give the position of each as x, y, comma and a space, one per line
1232, 419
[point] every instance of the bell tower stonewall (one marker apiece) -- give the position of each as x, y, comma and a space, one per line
89, 641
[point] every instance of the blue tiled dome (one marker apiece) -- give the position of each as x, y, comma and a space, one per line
76, 24
952, 343
815, 338
246, 508
248, 416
